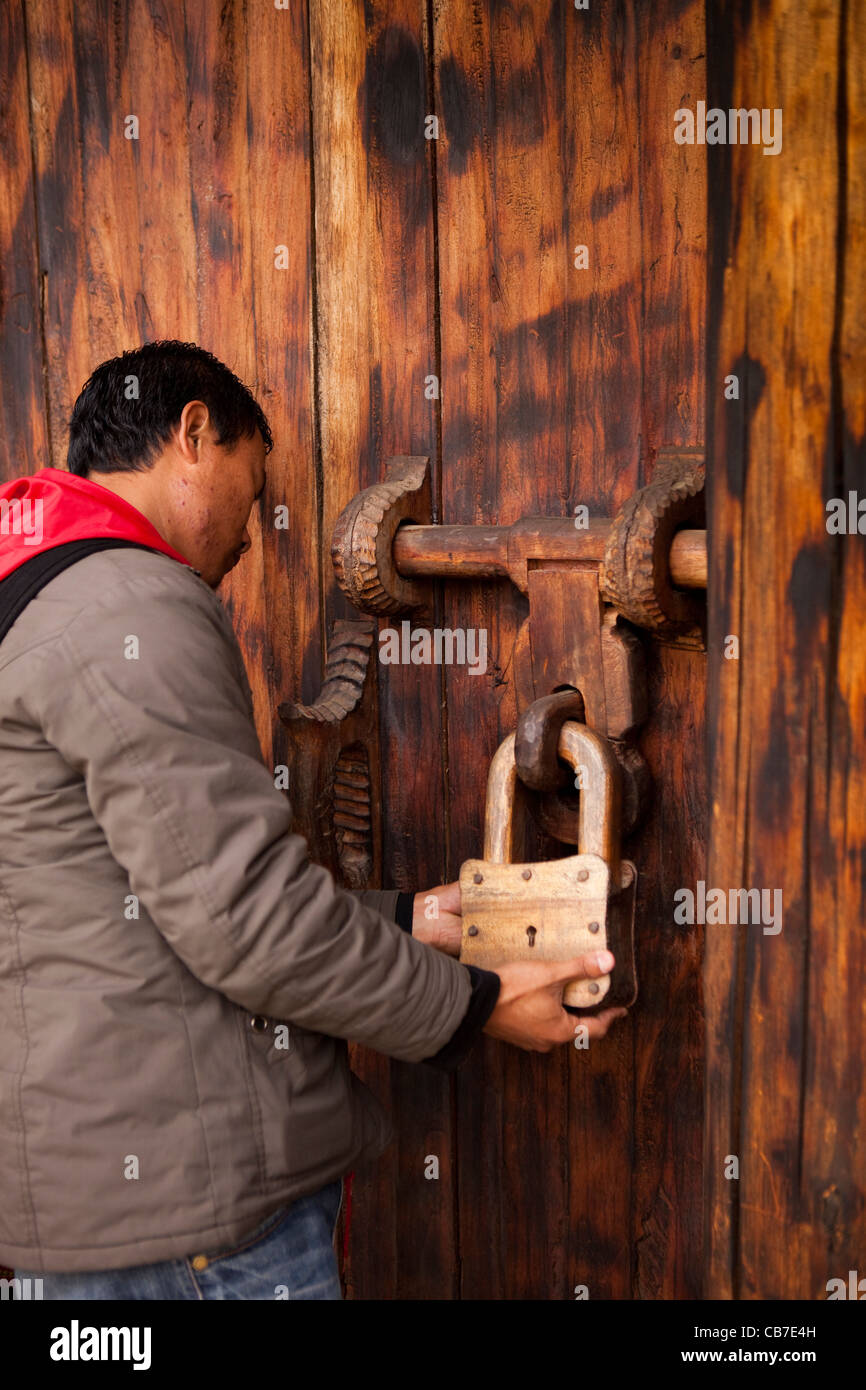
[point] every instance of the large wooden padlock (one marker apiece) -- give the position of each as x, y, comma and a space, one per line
565, 907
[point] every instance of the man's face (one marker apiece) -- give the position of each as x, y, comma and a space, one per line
211, 503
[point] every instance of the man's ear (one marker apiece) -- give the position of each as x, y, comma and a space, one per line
191, 430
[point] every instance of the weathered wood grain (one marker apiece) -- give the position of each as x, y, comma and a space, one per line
499, 89
603, 176
376, 345
24, 440
85, 197
114, 215
120, 218
234, 221
786, 1027
670, 848
287, 615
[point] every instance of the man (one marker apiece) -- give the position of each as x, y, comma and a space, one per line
177, 979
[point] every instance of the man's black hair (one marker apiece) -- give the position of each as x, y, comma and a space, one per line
128, 409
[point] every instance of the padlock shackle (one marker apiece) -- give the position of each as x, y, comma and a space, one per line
499, 812
599, 813
599, 809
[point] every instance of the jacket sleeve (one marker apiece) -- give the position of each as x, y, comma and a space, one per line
485, 992
149, 701
485, 983
389, 901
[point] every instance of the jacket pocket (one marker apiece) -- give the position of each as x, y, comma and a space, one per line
302, 1096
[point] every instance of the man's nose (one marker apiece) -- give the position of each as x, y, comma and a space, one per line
246, 543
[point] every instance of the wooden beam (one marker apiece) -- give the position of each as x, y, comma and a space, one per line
475, 552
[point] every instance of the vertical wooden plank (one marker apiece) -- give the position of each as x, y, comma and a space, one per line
346, 351
84, 192
114, 217
493, 164
284, 628
249, 179
603, 325
376, 346
161, 212
785, 1020
723, 993
231, 252
395, 103
833, 1102
605, 367
671, 846
834, 1138
24, 443
24, 438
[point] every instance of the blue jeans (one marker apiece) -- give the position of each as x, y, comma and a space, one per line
290, 1255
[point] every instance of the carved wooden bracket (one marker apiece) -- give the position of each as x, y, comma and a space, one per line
330, 740
362, 546
345, 673
636, 571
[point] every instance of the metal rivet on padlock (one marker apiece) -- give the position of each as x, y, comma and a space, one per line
540, 907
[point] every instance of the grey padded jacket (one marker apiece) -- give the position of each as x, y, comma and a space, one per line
177, 979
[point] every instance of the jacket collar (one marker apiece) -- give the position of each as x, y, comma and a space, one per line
52, 507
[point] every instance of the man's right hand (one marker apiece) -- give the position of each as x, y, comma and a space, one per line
529, 1010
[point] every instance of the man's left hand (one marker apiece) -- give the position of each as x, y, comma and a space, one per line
444, 930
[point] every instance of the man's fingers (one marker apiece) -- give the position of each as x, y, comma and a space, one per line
448, 895
586, 967
598, 1024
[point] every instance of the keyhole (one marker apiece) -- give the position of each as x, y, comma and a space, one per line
530, 932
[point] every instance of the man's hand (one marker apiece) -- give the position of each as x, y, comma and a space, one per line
443, 932
529, 1010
